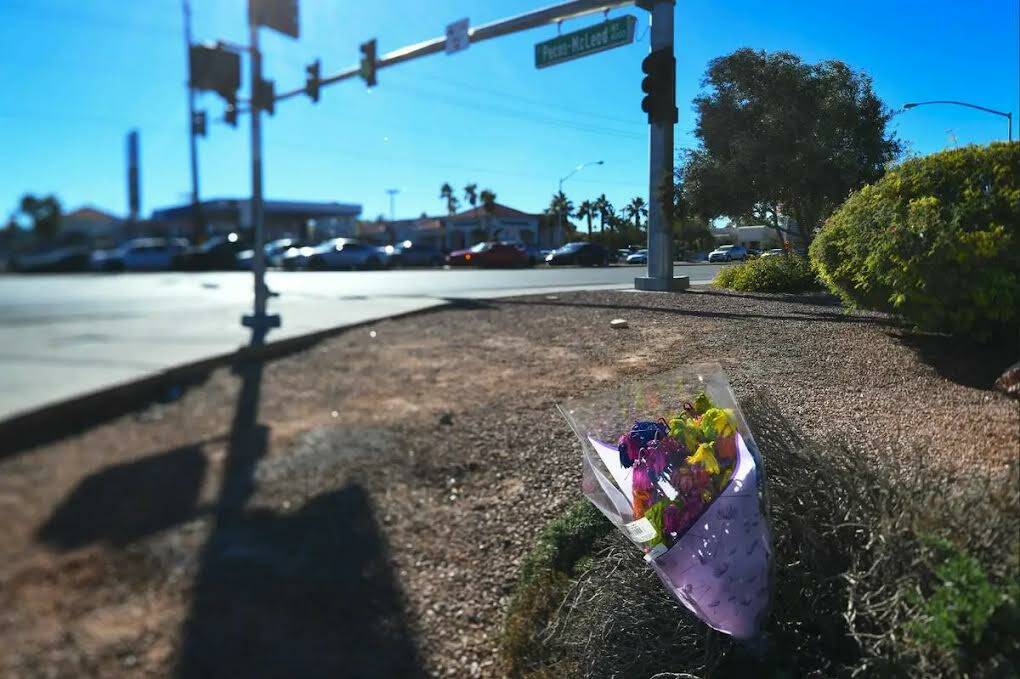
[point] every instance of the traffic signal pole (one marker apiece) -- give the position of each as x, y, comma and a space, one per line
660, 163
258, 321
197, 226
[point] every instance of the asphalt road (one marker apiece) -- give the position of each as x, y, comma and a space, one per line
66, 335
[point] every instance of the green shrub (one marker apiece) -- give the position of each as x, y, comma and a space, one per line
543, 582
783, 273
936, 240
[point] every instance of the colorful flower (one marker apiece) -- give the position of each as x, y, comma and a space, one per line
656, 458
628, 451
642, 501
716, 422
705, 457
726, 448
645, 431
672, 520
640, 480
702, 403
682, 480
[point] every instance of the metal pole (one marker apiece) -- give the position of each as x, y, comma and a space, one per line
521, 22
393, 193
559, 220
197, 228
1009, 121
259, 322
660, 171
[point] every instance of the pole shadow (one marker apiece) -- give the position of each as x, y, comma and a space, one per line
303, 594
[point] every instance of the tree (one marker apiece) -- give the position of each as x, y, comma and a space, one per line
586, 210
44, 213
446, 193
471, 195
561, 206
636, 209
780, 137
605, 210
488, 197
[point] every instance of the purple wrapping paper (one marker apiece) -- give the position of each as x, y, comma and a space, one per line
719, 568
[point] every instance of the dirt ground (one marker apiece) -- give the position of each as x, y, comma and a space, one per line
359, 508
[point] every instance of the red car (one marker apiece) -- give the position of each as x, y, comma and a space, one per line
488, 254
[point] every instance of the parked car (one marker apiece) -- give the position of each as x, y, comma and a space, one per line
346, 253
753, 253
56, 260
140, 254
639, 257
773, 252
488, 254
274, 250
409, 253
580, 253
533, 252
728, 253
217, 253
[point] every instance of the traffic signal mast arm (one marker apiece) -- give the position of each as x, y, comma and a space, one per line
522, 22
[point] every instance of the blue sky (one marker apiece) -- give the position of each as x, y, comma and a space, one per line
79, 74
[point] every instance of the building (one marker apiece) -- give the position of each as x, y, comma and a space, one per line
464, 229
281, 218
758, 237
89, 223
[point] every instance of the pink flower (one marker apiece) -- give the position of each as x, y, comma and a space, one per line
656, 458
682, 479
640, 480
673, 519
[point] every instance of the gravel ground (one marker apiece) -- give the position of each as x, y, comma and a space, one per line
368, 517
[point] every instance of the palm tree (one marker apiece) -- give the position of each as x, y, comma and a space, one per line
635, 210
488, 197
446, 193
605, 210
586, 210
471, 195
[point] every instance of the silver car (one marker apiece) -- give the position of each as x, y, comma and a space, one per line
346, 253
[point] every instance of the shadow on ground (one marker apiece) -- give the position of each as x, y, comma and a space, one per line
963, 362
126, 502
304, 594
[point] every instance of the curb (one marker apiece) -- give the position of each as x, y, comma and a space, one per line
79, 413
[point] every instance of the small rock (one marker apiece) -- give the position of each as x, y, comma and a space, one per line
553, 297
446, 419
618, 323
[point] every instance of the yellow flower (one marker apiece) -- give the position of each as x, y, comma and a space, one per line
685, 430
720, 421
706, 458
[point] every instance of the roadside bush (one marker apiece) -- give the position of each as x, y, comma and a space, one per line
936, 240
890, 571
783, 273
543, 582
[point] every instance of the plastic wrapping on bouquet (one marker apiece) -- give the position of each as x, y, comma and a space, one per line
720, 567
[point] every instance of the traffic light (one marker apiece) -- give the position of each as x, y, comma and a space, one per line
265, 97
368, 62
314, 80
198, 127
230, 115
214, 68
659, 86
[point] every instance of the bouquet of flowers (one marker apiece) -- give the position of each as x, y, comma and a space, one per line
672, 463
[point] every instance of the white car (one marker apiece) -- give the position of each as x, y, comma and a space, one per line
345, 253
774, 252
728, 253
639, 257
139, 254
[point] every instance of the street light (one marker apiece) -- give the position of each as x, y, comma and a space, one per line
572, 173
1007, 115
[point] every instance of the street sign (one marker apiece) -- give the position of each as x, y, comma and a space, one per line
598, 38
280, 15
457, 36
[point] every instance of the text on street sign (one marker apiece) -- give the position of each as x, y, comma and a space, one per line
598, 38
